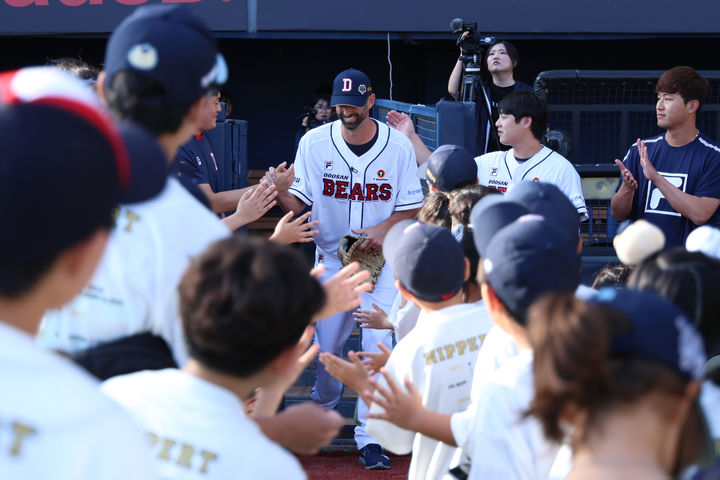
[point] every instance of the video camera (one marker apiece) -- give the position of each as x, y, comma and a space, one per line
472, 43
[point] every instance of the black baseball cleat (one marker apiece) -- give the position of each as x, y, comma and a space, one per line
371, 455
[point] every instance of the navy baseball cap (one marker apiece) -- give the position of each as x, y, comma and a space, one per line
528, 258
68, 161
490, 214
659, 331
448, 167
427, 260
540, 198
351, 87
171, 45
548, 200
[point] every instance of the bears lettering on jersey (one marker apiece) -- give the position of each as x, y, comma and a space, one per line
371, 193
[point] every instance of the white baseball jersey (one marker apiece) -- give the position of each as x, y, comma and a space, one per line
438, 356
350, 192
198, 430
499, 170
503, 444
55, 423
134, 289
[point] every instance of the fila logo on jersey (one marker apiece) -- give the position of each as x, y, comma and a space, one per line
342, 190
347, 84
655, 201
494, 172
328, 165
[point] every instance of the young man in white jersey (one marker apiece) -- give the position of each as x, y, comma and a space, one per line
673, 180
54, 423
359, 177
522, 124
244, 303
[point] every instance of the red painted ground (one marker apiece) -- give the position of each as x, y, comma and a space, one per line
345, 465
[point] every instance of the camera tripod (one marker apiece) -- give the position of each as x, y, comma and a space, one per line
473, 88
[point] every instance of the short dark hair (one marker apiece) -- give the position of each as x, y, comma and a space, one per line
244, 301
685, 81
17, 280
689, 280
523, 104
140, 99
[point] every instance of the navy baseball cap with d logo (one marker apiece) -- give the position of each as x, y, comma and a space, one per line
351, 87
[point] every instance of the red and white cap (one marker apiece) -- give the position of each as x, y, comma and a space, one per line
65, 162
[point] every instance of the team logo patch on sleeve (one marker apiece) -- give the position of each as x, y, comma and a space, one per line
655, 201
328, 165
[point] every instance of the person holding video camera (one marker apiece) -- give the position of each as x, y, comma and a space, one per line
501, 63
317, 112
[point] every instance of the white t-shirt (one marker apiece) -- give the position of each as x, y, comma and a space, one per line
134, 288
500, 170
403, 318
497, 348
198, 430
438, 356
503, 444
55, 423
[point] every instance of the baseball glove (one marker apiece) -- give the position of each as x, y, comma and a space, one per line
370, 259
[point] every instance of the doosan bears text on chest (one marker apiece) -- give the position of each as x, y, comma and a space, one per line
369, 193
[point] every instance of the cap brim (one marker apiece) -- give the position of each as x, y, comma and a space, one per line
148, 165
351, 101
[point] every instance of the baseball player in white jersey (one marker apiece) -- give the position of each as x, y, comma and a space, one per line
522, 123
358, 176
